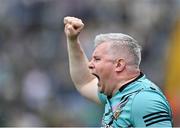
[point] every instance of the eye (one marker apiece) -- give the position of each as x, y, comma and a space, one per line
97, 59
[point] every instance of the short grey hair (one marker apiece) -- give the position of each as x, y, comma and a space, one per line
119, 42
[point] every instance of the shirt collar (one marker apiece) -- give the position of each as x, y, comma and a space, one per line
125, 85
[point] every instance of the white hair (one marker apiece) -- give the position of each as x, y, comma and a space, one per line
120, 42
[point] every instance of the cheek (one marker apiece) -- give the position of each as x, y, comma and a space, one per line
106, 71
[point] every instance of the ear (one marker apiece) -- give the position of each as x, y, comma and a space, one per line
120, 65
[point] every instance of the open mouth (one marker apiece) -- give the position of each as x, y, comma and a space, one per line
97, 78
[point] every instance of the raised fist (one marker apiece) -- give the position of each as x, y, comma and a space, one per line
73, 27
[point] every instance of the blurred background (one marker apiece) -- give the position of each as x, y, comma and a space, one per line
35, 84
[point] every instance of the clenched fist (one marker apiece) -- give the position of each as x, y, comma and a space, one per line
73, 27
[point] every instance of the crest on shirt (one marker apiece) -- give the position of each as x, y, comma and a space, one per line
118, 108
117, 113
114, 112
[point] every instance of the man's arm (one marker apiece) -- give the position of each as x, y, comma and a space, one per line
83, 80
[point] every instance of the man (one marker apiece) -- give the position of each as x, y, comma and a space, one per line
113, 78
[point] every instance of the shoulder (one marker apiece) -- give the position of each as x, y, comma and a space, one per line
146, 98
149, 105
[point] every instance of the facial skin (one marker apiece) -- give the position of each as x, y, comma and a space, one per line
112, 70
103, 67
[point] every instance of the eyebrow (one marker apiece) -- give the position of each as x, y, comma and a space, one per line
95, 56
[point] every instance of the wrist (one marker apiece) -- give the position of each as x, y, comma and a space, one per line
73, 39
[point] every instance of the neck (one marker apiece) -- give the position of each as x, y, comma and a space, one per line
126, 79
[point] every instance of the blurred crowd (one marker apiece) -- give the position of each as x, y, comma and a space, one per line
35, 84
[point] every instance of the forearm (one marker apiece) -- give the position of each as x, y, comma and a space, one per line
78, 64
83, 80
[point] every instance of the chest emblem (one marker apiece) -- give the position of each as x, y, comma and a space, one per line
118, 108
117, 113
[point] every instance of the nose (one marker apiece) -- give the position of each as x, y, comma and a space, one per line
90, 65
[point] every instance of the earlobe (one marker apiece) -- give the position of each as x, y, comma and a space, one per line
120, 65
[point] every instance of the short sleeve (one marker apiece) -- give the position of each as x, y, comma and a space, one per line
102, 97
150, 109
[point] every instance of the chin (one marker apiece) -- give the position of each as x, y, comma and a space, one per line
100, 90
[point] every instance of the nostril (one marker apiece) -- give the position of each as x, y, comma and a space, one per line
90, 67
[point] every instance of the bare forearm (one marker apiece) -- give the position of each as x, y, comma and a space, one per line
83, 80
78, 64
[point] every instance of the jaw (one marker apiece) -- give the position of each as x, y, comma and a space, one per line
102, 87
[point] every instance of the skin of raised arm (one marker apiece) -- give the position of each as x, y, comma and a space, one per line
83, 80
